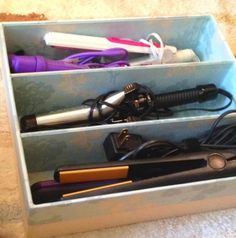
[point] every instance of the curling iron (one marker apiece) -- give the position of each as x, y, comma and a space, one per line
115, 57
134, 102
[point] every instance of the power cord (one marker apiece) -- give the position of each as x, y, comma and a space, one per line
218, 137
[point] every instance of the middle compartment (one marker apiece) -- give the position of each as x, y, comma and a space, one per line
36, 94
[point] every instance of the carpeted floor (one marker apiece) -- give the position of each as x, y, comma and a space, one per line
221, 224
213, 225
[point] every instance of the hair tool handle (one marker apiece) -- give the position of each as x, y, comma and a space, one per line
51, 191
38, 63
217, 167
199, 94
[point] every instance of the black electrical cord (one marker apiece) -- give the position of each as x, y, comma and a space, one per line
218, 137
151, 106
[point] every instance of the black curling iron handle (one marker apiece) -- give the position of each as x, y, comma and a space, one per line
199, 94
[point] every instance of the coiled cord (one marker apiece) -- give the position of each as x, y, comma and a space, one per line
218, 137
143, 104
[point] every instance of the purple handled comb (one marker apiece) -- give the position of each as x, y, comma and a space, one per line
115, 57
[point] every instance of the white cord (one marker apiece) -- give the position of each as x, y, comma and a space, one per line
156, 53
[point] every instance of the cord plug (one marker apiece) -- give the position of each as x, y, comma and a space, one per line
118, 144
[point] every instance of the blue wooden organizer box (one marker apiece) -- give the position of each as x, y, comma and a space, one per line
38, 153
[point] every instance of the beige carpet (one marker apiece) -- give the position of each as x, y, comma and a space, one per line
221, 224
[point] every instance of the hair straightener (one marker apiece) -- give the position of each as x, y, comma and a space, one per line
111, 177
147, 174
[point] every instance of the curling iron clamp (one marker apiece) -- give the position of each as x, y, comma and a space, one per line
149, 173
134, 102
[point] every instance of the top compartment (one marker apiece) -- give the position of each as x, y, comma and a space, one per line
199, 33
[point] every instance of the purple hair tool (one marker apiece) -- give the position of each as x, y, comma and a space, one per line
115, 57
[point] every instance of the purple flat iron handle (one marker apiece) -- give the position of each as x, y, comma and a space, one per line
24, 64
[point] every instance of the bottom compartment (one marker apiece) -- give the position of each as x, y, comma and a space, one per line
48, 150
